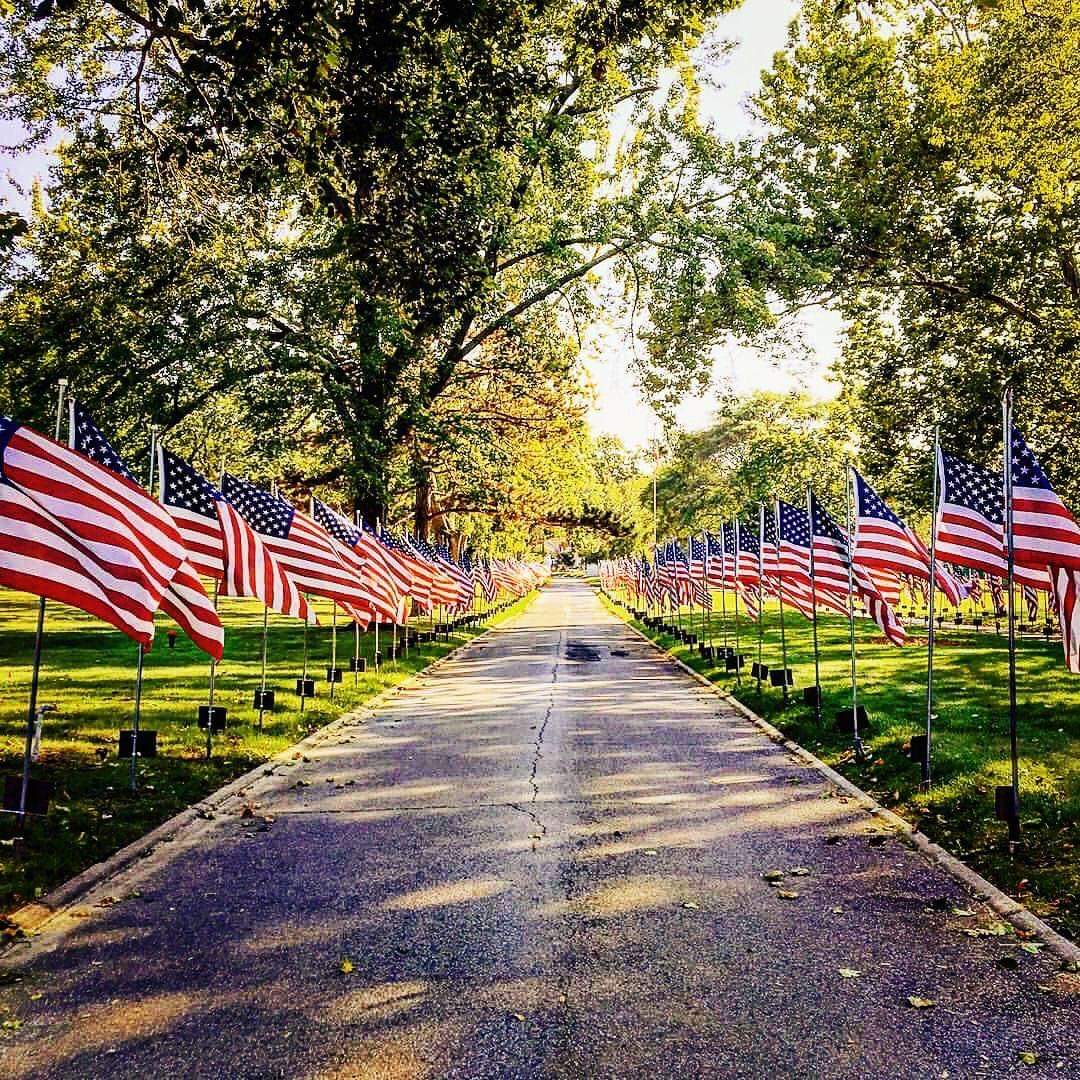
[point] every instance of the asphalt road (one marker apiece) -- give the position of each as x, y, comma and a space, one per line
543, 859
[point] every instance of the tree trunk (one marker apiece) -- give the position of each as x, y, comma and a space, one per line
422, 499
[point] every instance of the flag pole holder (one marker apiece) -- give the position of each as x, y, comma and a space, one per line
264, 700
334, 674
305, 685
212, 718
140, 744
850, 724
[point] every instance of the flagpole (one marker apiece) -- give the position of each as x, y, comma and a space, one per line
393, 619
137, 711
265, 635
848, 496
931, 595
705, 597
39, 634
213, 661
303, 674
813, 608
723, 589
780, 594
1014, 750
735, 603
333, 648
210, 702
761, 591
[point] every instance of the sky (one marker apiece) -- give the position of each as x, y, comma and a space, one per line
758, 29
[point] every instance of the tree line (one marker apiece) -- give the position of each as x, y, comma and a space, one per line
363, 242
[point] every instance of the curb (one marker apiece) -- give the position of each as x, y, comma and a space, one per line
1005, 906
31, 918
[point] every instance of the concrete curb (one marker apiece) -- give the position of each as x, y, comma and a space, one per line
33, 917
1005, 906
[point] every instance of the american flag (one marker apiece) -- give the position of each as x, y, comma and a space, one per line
665, 574
793, 559
648, 584
487, 581
400, 571
461, 578
770, 548
714, 563
221, 544
315, 560
75, 532
1031, 600
377, 595
885, 545
997, 593
1046, 534
831, 572
444, 589
698, 559
680, 560
423, 574
185, 599
728, 532
970, 521
747, 570
698, 550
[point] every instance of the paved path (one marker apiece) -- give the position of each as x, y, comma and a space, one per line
542, 859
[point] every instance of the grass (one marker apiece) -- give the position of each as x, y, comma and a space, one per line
970, 738
88, 672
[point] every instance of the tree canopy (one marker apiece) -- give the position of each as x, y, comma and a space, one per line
930, 149
356, 219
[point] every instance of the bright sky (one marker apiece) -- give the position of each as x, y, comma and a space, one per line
758, 29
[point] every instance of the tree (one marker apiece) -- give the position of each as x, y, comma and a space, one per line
757, 449
363, 205
929, 149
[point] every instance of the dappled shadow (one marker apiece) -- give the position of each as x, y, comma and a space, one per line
532, 865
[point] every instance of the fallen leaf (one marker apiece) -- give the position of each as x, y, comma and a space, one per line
690, 904
1031, 947
787, 894
346, 966
1028, 1057
773, 875
849, 973
518, 1017
799, 871
838, 911
36, 996
921, 1002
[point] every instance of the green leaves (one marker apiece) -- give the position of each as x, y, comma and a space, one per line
926, 154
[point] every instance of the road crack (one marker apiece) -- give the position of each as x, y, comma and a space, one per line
538, 755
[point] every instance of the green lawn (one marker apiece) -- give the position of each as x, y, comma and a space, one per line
970, 749
88, 672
